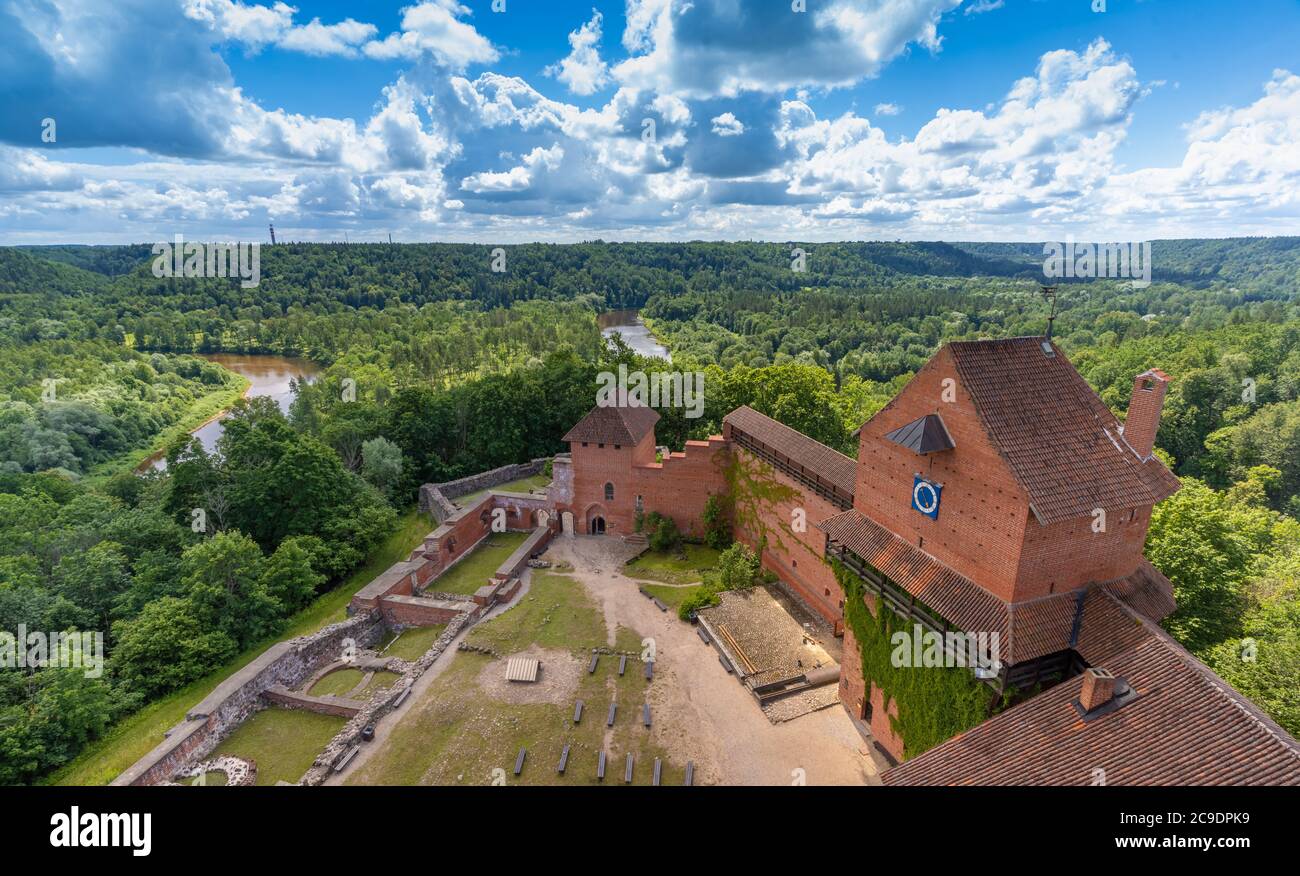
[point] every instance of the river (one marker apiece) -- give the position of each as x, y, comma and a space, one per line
268, 376
628, 324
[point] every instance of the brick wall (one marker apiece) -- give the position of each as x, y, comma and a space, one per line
796, 558
854, 694
677, 487
983, 510
1067, 555
414, 611
985, 529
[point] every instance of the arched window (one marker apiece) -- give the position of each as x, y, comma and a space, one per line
609, 492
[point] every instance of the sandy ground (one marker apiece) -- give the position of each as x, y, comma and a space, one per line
702, 713
557, 680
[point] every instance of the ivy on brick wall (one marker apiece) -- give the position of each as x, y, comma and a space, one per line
934, 704
754, 496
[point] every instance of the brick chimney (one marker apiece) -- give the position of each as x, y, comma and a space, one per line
1098, 688
1144, 408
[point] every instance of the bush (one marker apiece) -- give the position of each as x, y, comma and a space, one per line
737, 568
703, 598
664, 536
717, 523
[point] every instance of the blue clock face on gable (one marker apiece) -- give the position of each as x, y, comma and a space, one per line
925, 497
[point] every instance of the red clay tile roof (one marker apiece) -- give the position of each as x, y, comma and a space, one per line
614, 425
956, 598
1026, 629
1061, 442
830, 465
1186, 726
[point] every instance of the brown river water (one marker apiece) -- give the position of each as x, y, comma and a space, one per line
268, 376
635, 334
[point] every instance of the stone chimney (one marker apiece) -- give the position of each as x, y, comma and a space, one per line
1144, 411
1098, 688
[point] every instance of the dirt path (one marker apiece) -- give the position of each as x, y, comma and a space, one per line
702, 713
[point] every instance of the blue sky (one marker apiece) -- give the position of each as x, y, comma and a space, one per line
648, 119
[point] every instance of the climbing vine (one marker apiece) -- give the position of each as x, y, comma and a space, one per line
934, 704
754, 494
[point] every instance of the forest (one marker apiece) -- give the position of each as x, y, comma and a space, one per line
437, 367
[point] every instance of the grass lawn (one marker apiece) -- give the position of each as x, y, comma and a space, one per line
673, 569
473, 571
337, 683
379, 681
283, 742
523, 485
673, 595
134, 736
554, 613
411, 644
456, 734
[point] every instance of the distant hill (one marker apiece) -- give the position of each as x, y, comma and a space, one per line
1250, 263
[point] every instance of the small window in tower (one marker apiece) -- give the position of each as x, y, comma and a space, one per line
602, 444
618, 446
584, 444
640, 504
609, 492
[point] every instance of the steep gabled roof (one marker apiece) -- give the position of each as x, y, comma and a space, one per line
830, 465
614, 425
1060, 441
1186, 726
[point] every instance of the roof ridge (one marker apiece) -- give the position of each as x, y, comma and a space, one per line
1225, 691
792, 429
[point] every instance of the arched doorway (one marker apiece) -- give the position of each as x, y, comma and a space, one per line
595, 519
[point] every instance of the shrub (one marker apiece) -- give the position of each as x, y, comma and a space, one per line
717, 523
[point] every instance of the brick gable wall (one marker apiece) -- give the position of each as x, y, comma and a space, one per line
985, 529
677, 487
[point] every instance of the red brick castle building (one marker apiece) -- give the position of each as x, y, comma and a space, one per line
995, 494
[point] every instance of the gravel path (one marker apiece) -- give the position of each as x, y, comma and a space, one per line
702, 713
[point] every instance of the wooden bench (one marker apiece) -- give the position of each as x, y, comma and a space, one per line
645, 714
519, 761
613, 708
595, 658
346, 758
577, 712
627, 770
658, 771
690, 773
650, 669
600, 766
564, 759
622, 664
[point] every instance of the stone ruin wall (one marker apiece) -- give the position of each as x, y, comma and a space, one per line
235, 700
436, 499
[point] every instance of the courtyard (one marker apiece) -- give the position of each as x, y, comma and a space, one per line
465, 724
